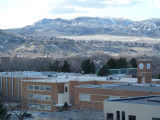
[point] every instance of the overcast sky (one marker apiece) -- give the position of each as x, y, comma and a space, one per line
19, 13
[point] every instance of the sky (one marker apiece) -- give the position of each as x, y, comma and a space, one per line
20, 13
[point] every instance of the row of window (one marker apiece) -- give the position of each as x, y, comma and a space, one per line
39, 88
110, 116
39, 97
40, 106
118, 115
130, 117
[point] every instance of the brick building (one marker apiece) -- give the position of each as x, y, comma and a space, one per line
92, 96
48, 91
11, 82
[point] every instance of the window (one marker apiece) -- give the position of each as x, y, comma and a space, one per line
123, 115
118, 115
41, 88
30, 87
48, 97
36, 87
47, 107
84, 97
30, 96
40, 106
39, 97
66, 89
132, 117
109, 116
155, 118
36, 96
48, 88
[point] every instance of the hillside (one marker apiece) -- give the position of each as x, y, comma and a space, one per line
9, 41
84, 36
67, 46
91, 26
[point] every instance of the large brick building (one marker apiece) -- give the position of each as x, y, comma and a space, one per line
44, 90
48, 91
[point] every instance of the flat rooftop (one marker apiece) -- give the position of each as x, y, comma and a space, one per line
126, 86
149, 100
55, 77
66, 77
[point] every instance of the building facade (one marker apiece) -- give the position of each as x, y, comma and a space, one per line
136, 108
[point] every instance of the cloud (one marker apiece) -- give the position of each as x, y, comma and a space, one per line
65, 10
122, 2
156, 3
69, 6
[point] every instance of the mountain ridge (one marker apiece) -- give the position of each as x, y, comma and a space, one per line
91, 26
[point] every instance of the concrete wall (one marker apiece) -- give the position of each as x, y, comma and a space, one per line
64, 97
141, 111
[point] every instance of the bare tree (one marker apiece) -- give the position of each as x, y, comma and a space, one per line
17, 106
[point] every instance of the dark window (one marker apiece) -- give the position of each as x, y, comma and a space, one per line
118, 115
155, 118
123, 115
109, 116
132, 117
66, 89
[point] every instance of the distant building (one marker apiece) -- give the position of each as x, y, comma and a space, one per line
133, 108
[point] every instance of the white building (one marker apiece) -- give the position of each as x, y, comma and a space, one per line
135, 108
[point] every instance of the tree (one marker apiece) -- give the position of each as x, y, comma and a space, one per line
65, 106
122, 63
103, 71
3, 112
55, 66
88, 66
17, 106
133, 62
112, 63
92, 67
159, 76
65, 67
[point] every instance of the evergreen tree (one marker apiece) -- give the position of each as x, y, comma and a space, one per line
159, 76
55, 66
65, 67
88, 66
103, 71
92, 67
3, 112
122, 63
133, 62
112, 63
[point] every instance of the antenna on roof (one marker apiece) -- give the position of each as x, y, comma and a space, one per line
66, 76
129, 99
